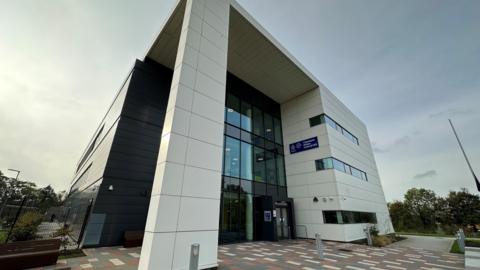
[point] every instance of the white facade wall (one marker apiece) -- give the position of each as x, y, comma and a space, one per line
335, 190
184, 207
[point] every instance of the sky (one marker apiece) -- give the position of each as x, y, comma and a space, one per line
403, 67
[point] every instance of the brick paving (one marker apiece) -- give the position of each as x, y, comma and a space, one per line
294, 254
302, 255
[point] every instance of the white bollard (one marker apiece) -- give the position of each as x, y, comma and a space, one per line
319, 244
194, 255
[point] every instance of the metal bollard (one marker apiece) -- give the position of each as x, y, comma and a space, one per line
461, 242
319, 244
369, 236
194, 255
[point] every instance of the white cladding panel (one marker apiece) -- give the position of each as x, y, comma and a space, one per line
334, 190
184, 208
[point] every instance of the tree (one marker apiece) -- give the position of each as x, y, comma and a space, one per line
401, 217
12, 191
463, 208
421, 204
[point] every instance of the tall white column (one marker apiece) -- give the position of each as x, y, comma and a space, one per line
185, 203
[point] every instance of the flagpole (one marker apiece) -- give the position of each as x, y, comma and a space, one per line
465, 155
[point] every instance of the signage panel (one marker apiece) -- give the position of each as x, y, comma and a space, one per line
303, 145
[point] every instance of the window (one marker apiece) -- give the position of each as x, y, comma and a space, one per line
330, 122
278, 130
323, 118
257, 121
259, 164
315, 121
232, 157
281, 170
330, 217
268, 122
90, 148
348, 217
246, 161
271, 168
246, 116
324, 164
356, 173
333, 163
232, 109
338, 165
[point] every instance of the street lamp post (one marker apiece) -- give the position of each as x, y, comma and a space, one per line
17, 171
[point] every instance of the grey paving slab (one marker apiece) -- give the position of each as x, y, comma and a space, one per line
441, 244
284, 255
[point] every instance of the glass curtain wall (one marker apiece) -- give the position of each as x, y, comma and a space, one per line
253, 165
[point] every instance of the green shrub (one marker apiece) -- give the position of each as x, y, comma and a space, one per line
472, 243
381, 241
26, 226
374, 231
3, 236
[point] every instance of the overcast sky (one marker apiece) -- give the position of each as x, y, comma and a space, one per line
404, 67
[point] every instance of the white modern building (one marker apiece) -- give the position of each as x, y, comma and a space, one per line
221, 136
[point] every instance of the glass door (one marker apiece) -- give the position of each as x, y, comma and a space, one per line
283, 227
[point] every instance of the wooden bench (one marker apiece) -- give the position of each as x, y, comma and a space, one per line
132, 238
29, 254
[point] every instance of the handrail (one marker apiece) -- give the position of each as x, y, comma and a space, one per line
304, 226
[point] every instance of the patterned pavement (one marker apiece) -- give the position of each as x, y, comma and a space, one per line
302, 255
294, 254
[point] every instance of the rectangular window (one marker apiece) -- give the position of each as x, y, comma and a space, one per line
348, 217
258, 164
324, 164
268, 122
315, 121
246, 116
271, 168
232, 110
323, 118
330, 217
232, 157
257, 121
356, 173
246, 161
338, 165
281, 170
330, 122
278, 130
333, 163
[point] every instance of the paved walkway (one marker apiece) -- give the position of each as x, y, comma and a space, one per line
442, 244
286, 255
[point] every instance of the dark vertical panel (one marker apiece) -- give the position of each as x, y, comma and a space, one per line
132, 159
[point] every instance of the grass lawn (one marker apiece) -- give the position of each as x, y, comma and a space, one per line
455, 248
469, 243
3, 236
425, 234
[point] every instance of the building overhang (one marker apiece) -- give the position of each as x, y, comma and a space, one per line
253, 55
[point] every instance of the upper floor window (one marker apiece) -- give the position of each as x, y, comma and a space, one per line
333, 163
325, 119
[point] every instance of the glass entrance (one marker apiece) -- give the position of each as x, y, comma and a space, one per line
283, 223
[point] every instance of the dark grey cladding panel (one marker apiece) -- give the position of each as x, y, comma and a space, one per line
148, 92
131, 164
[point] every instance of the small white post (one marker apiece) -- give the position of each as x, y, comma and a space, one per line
194, 255
319, 244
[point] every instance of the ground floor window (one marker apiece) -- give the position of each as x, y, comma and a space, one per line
348, 217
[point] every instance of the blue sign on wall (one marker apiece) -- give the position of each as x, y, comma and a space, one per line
303, 145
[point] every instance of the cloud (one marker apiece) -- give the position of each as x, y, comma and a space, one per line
451, 113
427, 174
402, 141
